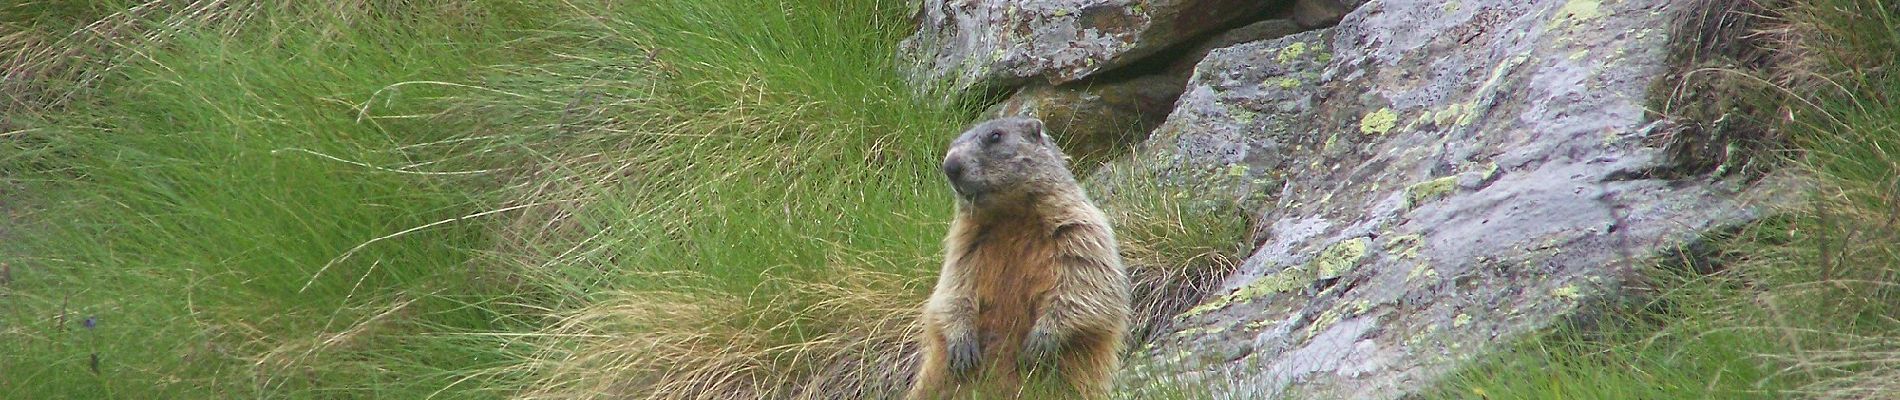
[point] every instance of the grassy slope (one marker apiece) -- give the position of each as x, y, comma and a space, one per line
269, 201
1801, 305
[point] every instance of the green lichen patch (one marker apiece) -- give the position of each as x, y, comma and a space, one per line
1422, 119
1326, 320
1292, 52
1467, 115
1405, 246
1468, 111
1258, 325
1333, 262
1457, 113
1424, 271
1428, 190
1340, 258
1379, 122
1199, 331
1362, 306
1488, 171
1419, 339
1577, 11
1461, 320
1332, 316
1242, 116
1283, 281
1210, 306
1567, 292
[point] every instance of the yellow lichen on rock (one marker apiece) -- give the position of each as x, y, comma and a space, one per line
1578, 11
1423, 270
1567, 292
1339, 258
1432, 189
1405, 246
1292, 52
1379, 122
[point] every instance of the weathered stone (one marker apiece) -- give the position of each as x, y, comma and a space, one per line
1096, 120
1254, 32
966, 43
1216, 136
1433, 178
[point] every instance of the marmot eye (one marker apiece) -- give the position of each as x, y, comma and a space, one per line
995, 136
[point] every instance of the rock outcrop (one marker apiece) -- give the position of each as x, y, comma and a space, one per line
1429, 178
970, 43
1442, 176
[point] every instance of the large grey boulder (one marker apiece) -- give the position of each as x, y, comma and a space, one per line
1436, 178
966, 43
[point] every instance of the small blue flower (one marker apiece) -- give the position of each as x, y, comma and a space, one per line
91, 322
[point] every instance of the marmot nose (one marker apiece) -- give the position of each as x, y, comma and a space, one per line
953, 168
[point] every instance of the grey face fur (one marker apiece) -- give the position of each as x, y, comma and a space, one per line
999, 158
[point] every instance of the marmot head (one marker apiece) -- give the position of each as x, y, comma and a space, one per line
1005, 160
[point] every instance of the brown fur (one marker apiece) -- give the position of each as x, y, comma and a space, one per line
1026, 249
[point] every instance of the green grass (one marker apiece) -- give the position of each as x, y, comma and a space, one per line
466, 199
193, 201
742, 196
1800, 305
1637, 353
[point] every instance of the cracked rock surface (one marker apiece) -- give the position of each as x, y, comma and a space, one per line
1432, 178
967, 43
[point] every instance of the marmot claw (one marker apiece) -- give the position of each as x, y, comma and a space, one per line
964, 354
1039, 350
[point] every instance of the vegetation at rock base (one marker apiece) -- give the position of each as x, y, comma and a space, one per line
480, 199
1804, 304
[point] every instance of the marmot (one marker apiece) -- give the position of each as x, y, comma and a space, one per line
1032, 293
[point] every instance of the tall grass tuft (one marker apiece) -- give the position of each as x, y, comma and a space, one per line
732, 200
